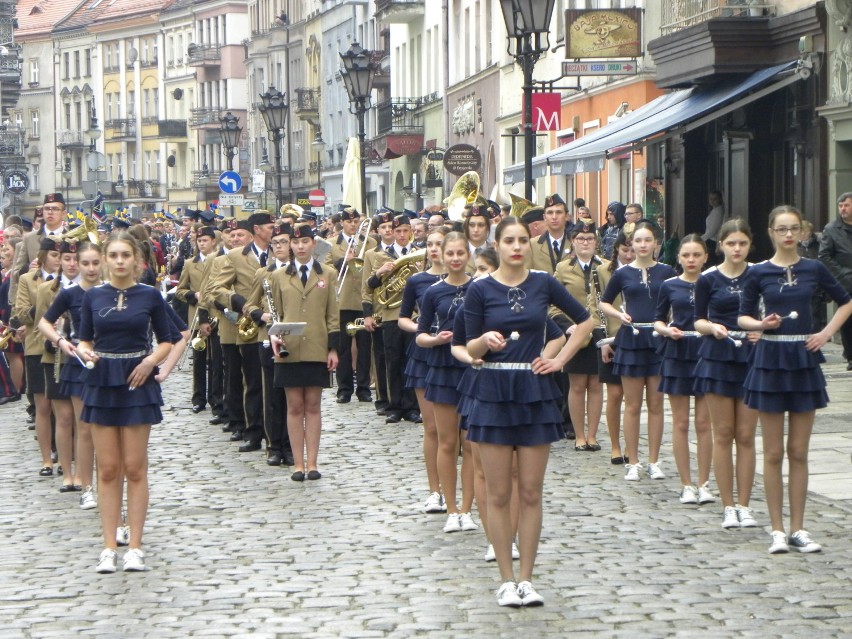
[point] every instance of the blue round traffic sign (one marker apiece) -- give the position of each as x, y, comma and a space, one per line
230, 182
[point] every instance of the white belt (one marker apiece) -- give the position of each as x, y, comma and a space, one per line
785, 338
736, 334
642, 324
509, 366
122, 355
690, 333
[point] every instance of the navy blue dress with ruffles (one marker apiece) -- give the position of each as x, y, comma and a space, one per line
107, 400
783, 375
438, 309
722, 366
73, 375
677, 297
636, 355
417, 359
512, 405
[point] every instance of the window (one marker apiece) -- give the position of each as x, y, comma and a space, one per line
146, 103
109, 106
170, 52
78, 111
116, 55
19, 119
68, 115
34, 74
108, 57
147, 165
155, 107
131, 104
144, 51
88, 63
34, 133
66, 62
34, 179
76, 64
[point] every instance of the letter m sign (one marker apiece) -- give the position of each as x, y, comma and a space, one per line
546, 111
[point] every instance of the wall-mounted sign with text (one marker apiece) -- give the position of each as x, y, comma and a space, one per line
604, 33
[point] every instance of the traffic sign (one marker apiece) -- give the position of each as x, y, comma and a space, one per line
317, 197
231, 199
249, 205
230, 182
603, 67
17, 182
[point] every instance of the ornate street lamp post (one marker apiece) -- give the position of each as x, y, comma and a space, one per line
274, 109
231, 131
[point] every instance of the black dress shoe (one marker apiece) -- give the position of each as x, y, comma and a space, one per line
197, 408
298, 476
287, 459
365, 397
249, 447
344, 399
393, 418
381, 412
314, 475
414, 417
215, 420
569, 434
273, 459
236, 436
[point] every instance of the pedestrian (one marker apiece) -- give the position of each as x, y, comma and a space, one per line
609, 231
721, 369
121, 398
515, 402
305, 291
636, 359
835, 251
675, 322
713, 222
809, 247
477, 224
417, 363
785, 375
434, 333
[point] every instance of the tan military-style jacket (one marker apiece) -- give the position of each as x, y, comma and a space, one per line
373, 259
543, 257
46, 292
232, 283
256, 303
227, 330
193, 279
570, 274
350, 294
24, 311
315, 304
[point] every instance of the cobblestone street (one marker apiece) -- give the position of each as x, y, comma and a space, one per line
236, 549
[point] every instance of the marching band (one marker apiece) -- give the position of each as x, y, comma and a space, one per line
499, 363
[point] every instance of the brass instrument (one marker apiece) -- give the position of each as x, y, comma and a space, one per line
57, 357
356, 263
193, 326
465, 191
358, 325
87, 231
600, 334
520, 205
389, 294
246, 328
273, 312
288, 209
6, 336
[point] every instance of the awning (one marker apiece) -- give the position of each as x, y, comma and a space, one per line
671, 114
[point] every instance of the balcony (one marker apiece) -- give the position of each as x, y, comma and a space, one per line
399, 11
172, 128
399, 116
204, 55
122, 129
11, 141
308, 104
382, 79
680, 14
143, 188
69, 139
204, 180
204, 117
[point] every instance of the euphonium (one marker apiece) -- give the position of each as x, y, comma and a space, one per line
465, 192
520, 205
389, 294
88, 230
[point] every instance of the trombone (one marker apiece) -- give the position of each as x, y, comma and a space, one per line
353, 243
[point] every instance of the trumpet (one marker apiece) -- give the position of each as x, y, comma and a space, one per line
358, 246
6, 336
358, 325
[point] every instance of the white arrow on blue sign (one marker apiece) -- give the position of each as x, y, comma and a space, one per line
230, 182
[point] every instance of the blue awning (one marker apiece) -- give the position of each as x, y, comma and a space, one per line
672, 114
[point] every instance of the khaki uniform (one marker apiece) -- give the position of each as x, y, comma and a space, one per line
350, 294
193, 278
24, 311
256, 302
227, 330
373, 259
231, 285
543, 257
570, 274
26, 253
46, 292
315, 304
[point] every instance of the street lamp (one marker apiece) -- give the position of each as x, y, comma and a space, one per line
231, 131
274, 109
528, 23
359, 70
266, 167
119, 188
318, 145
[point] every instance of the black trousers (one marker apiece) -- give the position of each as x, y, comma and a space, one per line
233, 361
846, 339
396, 343
199, 375
274, 407
381, 368
346, 382
215, 375
253, 392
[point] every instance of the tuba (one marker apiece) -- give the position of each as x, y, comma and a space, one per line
465, 191
520, 205
389, 294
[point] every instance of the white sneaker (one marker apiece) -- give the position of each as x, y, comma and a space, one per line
453, 524
779, 543
688, 495
466, 522
507, 595
654, 471
730, 519
801, 542
746, 517
704, 494
528, 595
632, 472
434, 503
489, 553
516, 554
122, 535
134, 560
87, 499
106, 562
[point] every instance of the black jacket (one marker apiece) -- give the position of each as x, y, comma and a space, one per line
835, 251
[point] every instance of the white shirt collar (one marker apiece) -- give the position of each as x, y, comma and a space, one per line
398, 248
280, 264
45, 274
309, 264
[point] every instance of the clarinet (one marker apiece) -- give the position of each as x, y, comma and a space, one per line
57, 357
597, 282
267, 291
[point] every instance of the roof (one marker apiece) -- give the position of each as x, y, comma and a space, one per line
38, 17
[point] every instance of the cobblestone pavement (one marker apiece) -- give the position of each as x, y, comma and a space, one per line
236, 549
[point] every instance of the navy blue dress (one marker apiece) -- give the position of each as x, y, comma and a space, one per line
722, 366
70, 301
785, 376
417, 365
438, 310
677, 297
636, 355
107, 400
511, 405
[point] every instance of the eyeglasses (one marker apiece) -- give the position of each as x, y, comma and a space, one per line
584, 240
51, 208
784, 230
279, 243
